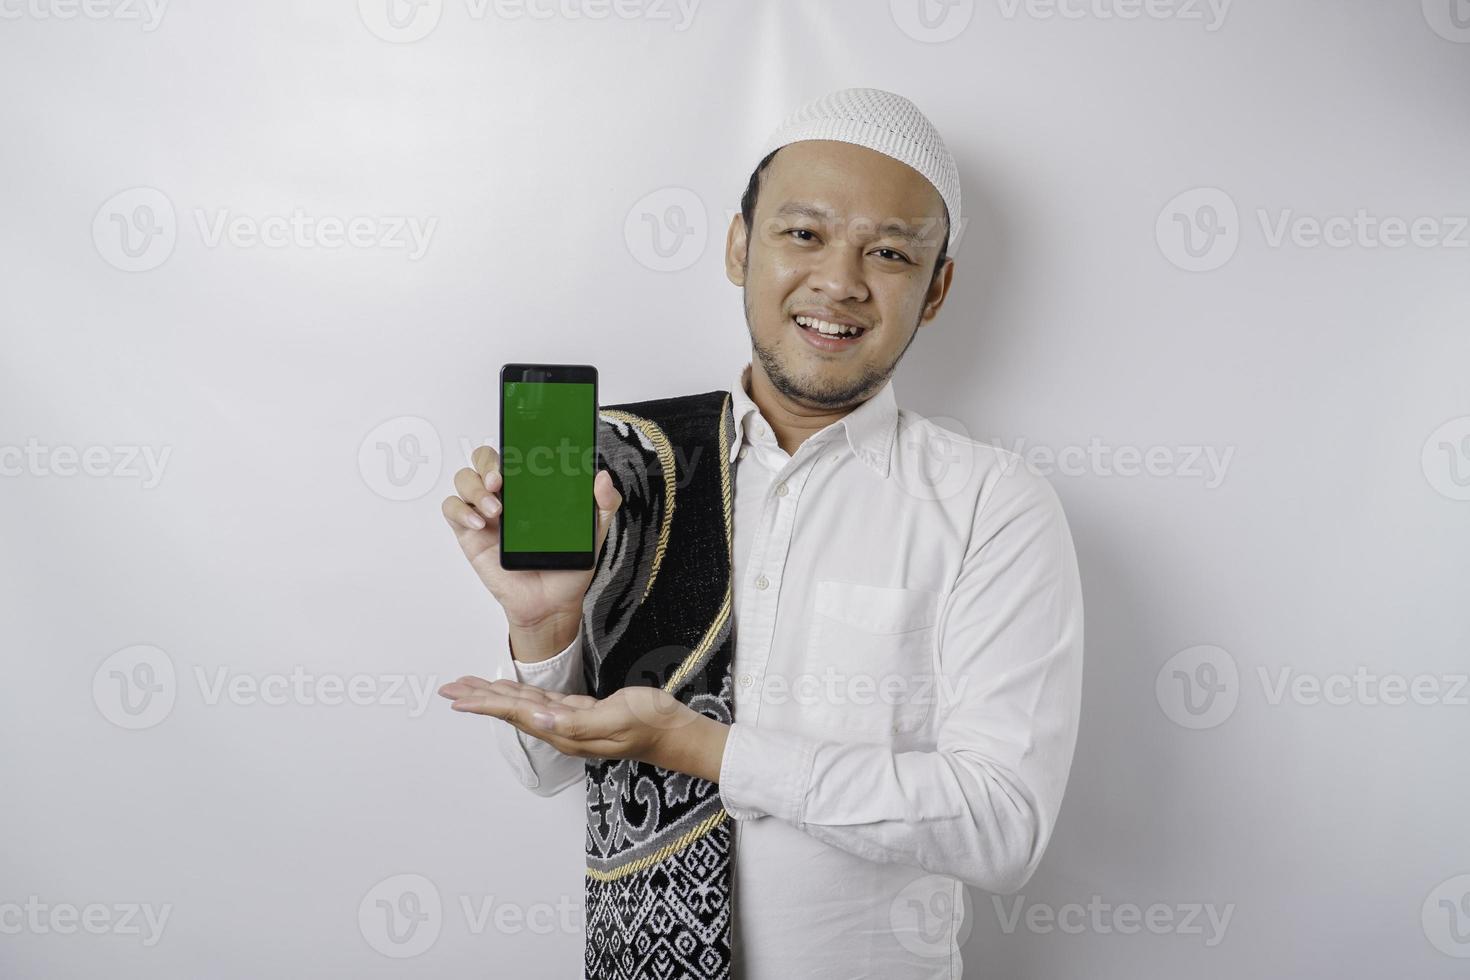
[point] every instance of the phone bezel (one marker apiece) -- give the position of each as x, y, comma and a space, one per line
520, 373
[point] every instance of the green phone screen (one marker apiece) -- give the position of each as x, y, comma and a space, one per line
548, 464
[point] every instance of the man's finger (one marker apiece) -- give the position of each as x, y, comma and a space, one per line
518, 710
579, 701
485, 460
608, 501
493, 704
467, 686
471, 489
461, 515
576, 725
455, 690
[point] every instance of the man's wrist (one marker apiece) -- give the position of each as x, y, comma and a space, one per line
544, 639
697, 748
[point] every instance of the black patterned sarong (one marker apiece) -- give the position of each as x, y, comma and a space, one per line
659, 612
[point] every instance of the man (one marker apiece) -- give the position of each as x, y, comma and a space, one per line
908, 656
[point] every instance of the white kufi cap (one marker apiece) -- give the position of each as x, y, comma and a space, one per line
881, 121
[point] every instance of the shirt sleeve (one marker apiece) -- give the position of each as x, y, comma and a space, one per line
982, 804
541, 768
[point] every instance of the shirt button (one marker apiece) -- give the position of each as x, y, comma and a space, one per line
744, 680
781, 489
835, 457
760, 429
744, 450
762, 582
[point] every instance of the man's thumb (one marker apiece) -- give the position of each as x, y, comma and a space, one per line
608, 501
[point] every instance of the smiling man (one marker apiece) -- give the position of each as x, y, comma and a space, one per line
851, 678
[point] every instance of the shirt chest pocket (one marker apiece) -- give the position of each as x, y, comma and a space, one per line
872, 650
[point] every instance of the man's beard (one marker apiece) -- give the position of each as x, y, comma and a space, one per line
844, 395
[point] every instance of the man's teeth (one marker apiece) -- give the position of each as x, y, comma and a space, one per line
823, 326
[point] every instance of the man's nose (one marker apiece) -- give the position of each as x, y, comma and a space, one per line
838, 272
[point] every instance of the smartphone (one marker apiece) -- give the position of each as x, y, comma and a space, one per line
548, 460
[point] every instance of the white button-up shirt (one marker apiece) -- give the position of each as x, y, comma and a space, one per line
908, 672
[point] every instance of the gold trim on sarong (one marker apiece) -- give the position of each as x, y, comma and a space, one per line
697, 655
666, 462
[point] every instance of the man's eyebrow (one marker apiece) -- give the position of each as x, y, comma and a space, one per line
892, 227
900, 230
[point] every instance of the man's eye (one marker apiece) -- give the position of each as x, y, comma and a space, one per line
897, 255
801, 231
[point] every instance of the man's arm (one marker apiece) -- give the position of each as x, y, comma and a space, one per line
546, 603
541, 768
983, 804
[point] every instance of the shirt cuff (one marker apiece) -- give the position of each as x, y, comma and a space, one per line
765, 773
561, 673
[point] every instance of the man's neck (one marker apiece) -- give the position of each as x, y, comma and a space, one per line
791, 423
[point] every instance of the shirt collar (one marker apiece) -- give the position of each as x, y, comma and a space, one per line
870, 428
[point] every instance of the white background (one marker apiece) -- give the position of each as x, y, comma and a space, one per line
273, 539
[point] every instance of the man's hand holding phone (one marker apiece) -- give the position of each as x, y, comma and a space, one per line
543, 608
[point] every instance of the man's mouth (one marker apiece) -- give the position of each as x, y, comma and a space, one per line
829, 336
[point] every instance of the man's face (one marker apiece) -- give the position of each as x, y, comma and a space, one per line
821, 241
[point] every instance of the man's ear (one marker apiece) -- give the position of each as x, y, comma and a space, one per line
938, 290
736, 242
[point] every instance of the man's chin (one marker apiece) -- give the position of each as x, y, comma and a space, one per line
818, 386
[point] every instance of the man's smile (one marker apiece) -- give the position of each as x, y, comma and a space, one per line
829, 331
